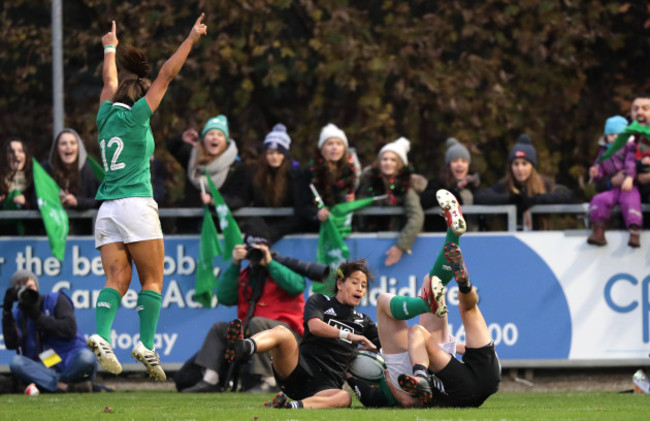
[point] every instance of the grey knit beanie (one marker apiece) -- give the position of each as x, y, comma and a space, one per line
21, 275
456, 150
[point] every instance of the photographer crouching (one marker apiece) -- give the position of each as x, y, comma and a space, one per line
43, 330
267, 294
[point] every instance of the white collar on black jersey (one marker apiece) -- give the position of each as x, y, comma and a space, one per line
121, 104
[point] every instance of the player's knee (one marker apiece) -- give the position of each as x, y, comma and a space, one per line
417, 331
282, 331
384, 299
343, 399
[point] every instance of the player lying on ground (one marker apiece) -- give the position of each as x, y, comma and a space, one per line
312, 373
455, 383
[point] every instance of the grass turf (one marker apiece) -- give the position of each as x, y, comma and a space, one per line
163, 405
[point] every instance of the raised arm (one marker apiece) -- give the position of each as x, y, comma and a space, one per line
173, 65
109, 73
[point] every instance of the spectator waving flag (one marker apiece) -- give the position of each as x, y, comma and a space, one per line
332, 250
54, 215
622, 138
228, 225
209, 249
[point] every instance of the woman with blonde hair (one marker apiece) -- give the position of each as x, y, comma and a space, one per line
333, 172
391, 176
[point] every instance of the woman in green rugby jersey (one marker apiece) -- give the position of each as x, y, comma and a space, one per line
127, 229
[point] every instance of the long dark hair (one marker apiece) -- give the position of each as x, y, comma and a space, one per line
134, 86
6, 173
271, 184
534, 185
65, 175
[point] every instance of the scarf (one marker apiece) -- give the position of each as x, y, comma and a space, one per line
332, 190
217, 168
397, 186
18, 181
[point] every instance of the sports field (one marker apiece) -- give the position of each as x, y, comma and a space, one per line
164, 405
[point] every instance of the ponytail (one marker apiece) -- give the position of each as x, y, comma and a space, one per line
134, 86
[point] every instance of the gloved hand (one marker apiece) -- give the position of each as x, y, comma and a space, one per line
31, 310
11, 295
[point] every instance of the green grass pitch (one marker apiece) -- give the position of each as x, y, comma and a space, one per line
164, 405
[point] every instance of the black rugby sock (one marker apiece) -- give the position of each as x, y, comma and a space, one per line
419, 370
250, 347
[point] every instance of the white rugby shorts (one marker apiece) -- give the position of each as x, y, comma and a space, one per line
398, 364
127, 220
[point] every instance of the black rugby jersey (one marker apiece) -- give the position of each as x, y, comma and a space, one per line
333, 355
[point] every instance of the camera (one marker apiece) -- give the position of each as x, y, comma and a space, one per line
317, 272
254, 255
27, 296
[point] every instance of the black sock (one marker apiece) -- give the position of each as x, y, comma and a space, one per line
419, 370
295, 405
250, 347
465, 288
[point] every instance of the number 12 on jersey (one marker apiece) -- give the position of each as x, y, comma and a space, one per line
118, 150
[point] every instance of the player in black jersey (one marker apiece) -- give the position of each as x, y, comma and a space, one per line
455, 384
429, 346
313, 372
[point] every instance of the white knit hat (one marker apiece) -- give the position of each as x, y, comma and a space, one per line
329, 131
401, 147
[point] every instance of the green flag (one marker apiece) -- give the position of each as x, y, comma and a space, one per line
228, 225
209, 248
9, 204
341, 214
98, 170
54, 215
331, 251
621, 139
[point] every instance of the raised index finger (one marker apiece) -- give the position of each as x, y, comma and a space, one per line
198, 21
113, 28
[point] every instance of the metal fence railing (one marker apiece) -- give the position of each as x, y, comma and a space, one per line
510, 212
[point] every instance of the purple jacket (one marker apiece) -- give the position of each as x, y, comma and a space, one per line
624, 159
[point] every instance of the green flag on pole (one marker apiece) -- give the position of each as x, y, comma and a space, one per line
331, 251
53, 214
97, 168
209, 249
341, 213
622, 138
228, 225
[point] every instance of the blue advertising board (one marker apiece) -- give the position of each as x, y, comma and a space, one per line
523, 291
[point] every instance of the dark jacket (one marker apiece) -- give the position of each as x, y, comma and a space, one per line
498, 195
55, 328
88, 185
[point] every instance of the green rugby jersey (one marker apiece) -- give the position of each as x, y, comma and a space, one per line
126, 144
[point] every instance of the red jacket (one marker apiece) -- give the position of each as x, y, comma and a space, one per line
275, 303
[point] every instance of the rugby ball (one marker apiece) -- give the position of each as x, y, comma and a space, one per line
367, 366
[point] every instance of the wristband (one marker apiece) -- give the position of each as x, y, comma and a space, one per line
343, 334
110, 49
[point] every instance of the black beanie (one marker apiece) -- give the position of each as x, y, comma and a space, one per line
256, 231
523, 149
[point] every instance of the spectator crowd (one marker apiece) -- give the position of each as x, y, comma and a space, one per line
273, 179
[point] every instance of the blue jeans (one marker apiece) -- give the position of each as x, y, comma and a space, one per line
83, 366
